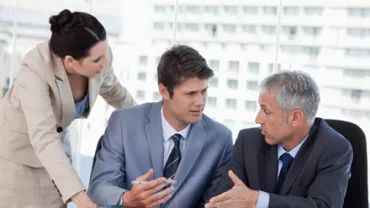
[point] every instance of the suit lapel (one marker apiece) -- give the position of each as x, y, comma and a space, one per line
154, 135
194, 146
65, 92
300, 159
269, 168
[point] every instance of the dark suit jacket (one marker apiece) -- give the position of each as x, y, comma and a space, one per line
318, 176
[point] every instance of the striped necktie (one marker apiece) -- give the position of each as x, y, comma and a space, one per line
174, 159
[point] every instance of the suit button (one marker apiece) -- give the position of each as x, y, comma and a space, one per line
59, 129
59, 193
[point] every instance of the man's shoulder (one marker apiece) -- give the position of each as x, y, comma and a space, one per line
134, 112
251, 131
251, 137
330, 138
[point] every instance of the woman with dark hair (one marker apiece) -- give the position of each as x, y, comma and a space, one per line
59, 80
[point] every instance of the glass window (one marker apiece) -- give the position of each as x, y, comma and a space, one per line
211, 10
254, 68
290, 31
356, 114
355, 12
268, 30
192, 27
232, 84
214, 64
213, 82
249, 124
271, 68
356, 73
230, 103
250, 10
291, 11
358, 32
366, 12
270, 11
229, 28
231, 10
229, 123
252, 85
160, 9
155, 77
311, 51
233, 66
251, 106
140, 94
143, 60
359, 53
212, 102
313, 11
141, 76
158, 25
356, 95
251, 29
157, 59
157, 96
312, 31
193, 9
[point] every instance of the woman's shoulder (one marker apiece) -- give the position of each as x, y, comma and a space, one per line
39, 59
40, 53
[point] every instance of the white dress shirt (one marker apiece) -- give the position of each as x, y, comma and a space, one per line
263, 197
168, 132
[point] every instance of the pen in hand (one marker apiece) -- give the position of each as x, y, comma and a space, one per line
143, 182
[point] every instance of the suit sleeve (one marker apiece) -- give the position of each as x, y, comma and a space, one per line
224, 160
112, 91
236, 165
106, 183
41, 123
330, 185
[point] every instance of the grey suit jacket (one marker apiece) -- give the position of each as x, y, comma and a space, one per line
318, 176
133, 143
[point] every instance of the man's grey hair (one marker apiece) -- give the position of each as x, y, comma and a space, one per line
293, 90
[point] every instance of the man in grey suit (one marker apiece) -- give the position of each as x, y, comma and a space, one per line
294, 159
171, 140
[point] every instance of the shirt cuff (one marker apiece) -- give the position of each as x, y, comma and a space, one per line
263, 200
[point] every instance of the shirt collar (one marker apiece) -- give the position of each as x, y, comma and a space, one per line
169, 131
292, 152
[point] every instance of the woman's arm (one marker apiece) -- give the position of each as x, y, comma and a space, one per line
36, 104
111, 89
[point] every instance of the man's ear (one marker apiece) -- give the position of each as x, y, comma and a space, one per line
297, 117
163, 90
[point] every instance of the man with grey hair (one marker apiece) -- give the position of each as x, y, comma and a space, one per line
294, 159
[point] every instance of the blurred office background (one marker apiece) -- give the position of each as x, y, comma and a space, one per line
243, 41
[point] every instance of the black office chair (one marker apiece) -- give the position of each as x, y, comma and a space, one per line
357, 191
